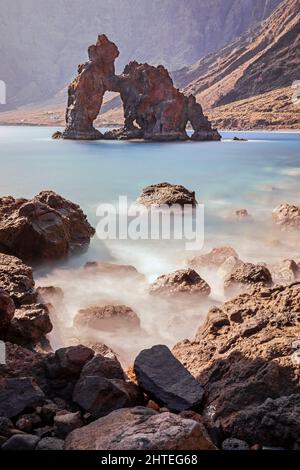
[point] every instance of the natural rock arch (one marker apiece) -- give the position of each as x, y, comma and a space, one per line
149, 97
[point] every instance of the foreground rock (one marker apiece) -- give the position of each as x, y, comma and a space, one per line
139, 429
246, 275
287, 216
166, 381
184, 282
245, 358
153, 108
17, 280
107, 317
166, 194
45, 227
18, 394
215, 258
22, 319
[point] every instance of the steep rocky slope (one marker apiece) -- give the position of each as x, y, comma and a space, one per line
42, 42
265, 59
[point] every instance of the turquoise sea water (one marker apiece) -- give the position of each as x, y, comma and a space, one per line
256, 175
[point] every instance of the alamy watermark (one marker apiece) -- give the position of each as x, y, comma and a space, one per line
296, 92
124, 221
2, 92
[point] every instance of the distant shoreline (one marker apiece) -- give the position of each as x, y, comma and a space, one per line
278, 131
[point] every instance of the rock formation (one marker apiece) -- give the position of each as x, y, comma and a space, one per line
184, 282
140, 428
45, 227
153, 108
85, 93
215, 258
287, 216
245, 356
245, 275
164, 379
107, 317
167, 194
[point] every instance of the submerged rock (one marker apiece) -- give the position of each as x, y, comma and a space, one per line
167, 194
215, 258
242, 214
107, 317
287, 216
139, 429
45, 227
182, 282
245, 358
164, 379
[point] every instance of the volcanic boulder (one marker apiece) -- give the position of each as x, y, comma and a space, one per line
45, 227
183, 283
246, 275
18, 394
215, 258
140, 428
164, 379
167, 194
107, 317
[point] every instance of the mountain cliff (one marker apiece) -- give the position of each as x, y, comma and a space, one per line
265, 59
42, 41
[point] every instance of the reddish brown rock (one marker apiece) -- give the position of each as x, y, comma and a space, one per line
45, 227
216, 257
285, 272
85, 93
246, 275
17, 280
287, 216
7, 309
244, 356
153, 108
29, 325
140, 428
107, 317
167, 194
181, 282
114, 270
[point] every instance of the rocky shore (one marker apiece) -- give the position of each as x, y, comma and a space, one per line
234, 386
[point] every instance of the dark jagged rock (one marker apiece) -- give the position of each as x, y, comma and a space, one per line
184, 282
50, 443
153, 108
45, 227
66, 423
167, 194
166, 381
234, 444
21, 442
18, 394
17, 280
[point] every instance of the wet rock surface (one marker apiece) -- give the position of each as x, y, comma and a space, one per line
166, 381
215, 258
184, 282
167, 194
45, 227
